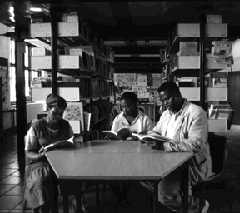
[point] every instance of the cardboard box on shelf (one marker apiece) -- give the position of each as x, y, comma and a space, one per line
40, 51
214, 19
219, 82
188, 30
188, 49
73, 51
70, 17
219, 113
216, 30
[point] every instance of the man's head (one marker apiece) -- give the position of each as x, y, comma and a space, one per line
170, 96
129, 103
55, 106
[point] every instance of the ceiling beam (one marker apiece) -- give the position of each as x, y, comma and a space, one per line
121, 13
134, 33
136, 50
139, 38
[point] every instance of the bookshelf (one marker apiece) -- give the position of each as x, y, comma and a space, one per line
197, 63
80, 66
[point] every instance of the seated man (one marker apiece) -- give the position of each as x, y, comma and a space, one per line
136, 121
186, 124
131, 116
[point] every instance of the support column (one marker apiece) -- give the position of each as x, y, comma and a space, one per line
54, 27
202, 61
20, 85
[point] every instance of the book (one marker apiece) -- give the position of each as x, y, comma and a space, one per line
121, 134
58, 144
151, 136
87, 120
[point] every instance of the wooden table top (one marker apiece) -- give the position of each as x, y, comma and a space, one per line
114, 160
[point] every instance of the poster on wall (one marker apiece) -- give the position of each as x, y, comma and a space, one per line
127, 81
142, 92
74, 115
157, 80
5, 83
142, 80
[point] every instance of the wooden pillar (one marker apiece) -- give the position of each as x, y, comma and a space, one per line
202, 61
20, 83
54, 37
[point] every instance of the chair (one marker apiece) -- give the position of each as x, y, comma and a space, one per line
60, 188
218, 151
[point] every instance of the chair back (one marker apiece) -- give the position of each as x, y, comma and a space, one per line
218, 151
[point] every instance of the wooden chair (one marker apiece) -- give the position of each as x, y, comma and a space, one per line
218, 151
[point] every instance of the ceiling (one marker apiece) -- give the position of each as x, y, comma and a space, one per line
139, 27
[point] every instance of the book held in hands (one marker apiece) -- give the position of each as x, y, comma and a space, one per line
121, 134
151, 136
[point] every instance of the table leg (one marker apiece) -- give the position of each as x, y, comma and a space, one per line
185, 188
155, 197
65, 203
104, 190
97, 197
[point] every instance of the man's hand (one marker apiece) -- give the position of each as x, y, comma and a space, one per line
107, 137
158, 146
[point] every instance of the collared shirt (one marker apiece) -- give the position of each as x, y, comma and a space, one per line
141, 123
189, 134
173, 121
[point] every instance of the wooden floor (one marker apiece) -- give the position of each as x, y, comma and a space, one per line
11, 182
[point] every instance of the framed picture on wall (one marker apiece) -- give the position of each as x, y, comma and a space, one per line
74, 115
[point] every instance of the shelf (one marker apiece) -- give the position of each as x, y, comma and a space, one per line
212, 93
68, 93
190, 66
68, 32
68, 65
190, 32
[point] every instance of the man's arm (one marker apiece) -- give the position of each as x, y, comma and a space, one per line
115, 125
196, 136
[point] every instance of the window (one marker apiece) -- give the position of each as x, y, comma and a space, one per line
12, 84
12, 73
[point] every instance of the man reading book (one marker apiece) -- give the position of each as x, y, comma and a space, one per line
186, 124
136, 121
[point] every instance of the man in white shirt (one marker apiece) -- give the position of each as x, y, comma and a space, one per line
135, 120
186, 124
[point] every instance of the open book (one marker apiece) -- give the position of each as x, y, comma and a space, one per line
121, 134
151, 136
58, 144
